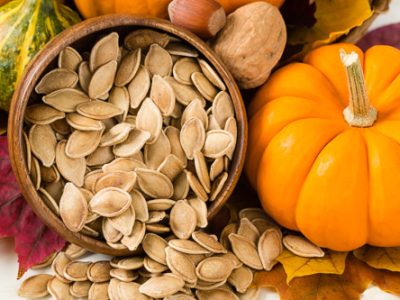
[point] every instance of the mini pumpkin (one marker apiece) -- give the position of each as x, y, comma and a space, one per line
324, 151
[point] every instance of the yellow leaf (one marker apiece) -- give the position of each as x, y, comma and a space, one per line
380, 258
296, 266
334, 19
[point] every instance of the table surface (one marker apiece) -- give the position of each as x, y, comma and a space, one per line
8, 260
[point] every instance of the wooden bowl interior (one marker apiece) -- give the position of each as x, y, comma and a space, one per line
82, 37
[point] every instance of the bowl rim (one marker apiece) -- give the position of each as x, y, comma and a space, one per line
34, 72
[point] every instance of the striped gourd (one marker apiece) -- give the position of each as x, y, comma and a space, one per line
25, 27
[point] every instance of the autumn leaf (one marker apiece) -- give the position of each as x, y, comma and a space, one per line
387, 281
350, 285
386, 35
296, 266
380, 258
34, 242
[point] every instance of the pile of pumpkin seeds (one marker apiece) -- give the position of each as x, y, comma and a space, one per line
131, 139
202, 267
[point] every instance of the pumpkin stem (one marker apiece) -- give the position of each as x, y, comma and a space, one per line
359, 113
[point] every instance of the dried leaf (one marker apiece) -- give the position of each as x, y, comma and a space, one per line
296, 266
34, 242
350, 285
330, 26
380, 258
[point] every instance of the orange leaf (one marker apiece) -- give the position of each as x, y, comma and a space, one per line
350, 285
387, 281
380, 258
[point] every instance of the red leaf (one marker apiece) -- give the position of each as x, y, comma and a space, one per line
386, 35
34, 242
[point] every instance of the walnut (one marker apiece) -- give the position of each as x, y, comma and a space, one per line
251, 43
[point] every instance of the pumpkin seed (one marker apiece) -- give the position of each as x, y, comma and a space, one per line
204, 86
149, 119
217, 143
104, 51
55, 80
213, 123
71, 169
183, 220
241, 279
35, 286
42, 114
195, 109
99, 110
222, 108
123, 164
99, 272
154, 267
263, 224
202, 285
246, 251
155, 154
233, 259
82, 123
69, 59
211, 75
118, 246
231, 127
110, 234
158, 228
143, 38
116, 135
58, 289
82, 143
58, 266
102, 80
80, 289
140, 206
196, 186
162, 286
98, 291
50, 174
181, 186
160, 204
176, 148
252, 213
154, 183
181, 265
248, 230
192, 137
138, 87
133, 241
228, 229
91, 178
184, 93
158, 61
100, 156
128, 67
43, 143
216, 294
171, 167
76, 271
132, 145
123, 275
74, 251
302, 247
35, 173
214, 269
202, 170
208, 242
216, 168
131, 263
200, 207
66, 100
73, 208
110, 202
187, 247
184, 68
119, 96
163, 95
181, 49
156, 216
85, 75
124, 222
130, 290
154, 246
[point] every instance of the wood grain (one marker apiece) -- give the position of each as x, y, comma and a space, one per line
82, 37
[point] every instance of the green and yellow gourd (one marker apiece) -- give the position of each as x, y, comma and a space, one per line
25, 27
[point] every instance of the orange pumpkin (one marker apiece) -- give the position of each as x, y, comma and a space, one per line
326, 161
151, 8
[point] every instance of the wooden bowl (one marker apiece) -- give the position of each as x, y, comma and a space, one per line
82, 37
